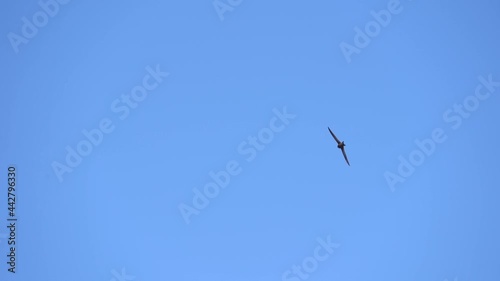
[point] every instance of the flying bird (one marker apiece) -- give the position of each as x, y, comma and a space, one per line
341, 145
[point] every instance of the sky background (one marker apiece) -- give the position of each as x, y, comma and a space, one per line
119, 208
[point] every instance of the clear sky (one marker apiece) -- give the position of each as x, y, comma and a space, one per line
178, 140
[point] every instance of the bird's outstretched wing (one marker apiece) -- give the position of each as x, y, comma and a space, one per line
336, 139
345, 156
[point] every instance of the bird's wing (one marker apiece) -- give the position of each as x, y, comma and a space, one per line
336, 139
345, 156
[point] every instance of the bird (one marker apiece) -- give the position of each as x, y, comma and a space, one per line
340, 144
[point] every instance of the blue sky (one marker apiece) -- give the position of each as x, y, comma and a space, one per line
249, 88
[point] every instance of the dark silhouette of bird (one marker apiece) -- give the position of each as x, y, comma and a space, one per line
341, 145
